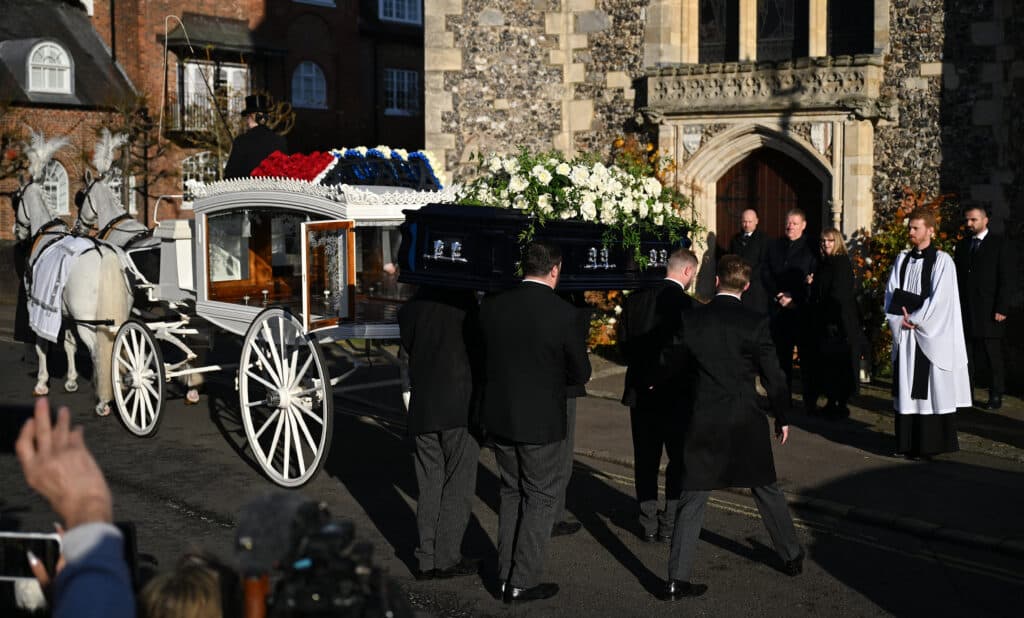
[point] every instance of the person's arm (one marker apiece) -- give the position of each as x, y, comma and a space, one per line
774, 379
1006, 273
57, 464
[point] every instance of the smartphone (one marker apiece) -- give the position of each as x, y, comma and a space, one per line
14, 558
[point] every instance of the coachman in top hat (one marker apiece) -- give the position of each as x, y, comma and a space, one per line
250, 148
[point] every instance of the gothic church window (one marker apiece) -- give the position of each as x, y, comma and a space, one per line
851, 28
718, 30
49, 69
782, 29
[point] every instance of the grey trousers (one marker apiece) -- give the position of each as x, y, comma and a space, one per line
567, 459
690, 515
530, 481
445, 465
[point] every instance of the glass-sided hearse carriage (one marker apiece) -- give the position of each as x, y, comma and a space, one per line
287, 266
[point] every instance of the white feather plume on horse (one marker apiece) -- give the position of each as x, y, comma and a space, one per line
40, 150
103, 155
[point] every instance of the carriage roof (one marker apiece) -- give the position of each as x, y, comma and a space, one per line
366, 205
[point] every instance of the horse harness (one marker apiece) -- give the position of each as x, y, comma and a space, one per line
112, 225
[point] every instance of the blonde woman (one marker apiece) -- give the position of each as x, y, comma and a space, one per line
833, 313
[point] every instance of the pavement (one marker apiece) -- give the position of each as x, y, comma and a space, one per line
845, 468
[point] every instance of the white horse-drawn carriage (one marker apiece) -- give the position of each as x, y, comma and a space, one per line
287, 266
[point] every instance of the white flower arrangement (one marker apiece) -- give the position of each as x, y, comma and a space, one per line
548, 187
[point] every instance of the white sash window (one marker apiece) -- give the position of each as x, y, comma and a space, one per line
401, 92
309, 86
405, 11
49, 69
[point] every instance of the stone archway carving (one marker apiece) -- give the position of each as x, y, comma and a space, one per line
699, 175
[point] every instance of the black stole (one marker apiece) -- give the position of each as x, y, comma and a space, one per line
922, 366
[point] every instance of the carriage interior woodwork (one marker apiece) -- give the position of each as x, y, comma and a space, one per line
254, 258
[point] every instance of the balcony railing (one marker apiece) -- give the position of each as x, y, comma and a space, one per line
197, 112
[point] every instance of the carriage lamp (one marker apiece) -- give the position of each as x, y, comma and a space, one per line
266, 295
245, 299
327, 299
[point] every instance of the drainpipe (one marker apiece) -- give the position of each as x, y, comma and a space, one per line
113, 34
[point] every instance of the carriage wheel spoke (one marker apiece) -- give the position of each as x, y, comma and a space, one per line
269, 455
297, 378
301, 422
287, 446
135, 408
267, 423
297, 444
308, 412
121, 361
258, 378
263, 359
152, 391
147, 411
293, 362
136, 348
274, 352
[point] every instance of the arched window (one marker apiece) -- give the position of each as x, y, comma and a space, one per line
309, 87
55, 187
202, 167
49, 69
115, 180
782, 29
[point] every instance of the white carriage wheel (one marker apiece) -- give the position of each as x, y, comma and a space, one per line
286, 398
138, 378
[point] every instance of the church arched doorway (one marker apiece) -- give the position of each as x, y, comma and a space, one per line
771, 183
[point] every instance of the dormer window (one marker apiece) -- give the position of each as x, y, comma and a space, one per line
49, 69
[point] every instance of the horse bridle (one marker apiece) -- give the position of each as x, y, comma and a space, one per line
82, 197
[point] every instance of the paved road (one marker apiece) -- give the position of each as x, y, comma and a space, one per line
184, 488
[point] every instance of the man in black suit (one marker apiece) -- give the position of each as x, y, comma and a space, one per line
790, 259
531, 354
656, 389
752, 245
439, 333
727, 440
250, 148
985, 271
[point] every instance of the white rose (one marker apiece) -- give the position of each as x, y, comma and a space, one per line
384, 150
588, 210
618, 309
520, 203
563, 169
510, 165
579, 176
544, 204
642, 210
658, 208
495, 165
611, 321
652, 186
541, 174
659, 220
362, 150
565, 214
518, 184
402, 153
599, 169
552, 162
627, 204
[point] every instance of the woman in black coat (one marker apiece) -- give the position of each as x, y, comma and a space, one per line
833, 316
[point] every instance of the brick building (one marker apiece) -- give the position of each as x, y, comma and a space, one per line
352, 70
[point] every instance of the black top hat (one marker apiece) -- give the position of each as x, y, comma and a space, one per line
256, 104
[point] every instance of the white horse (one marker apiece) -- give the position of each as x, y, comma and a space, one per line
101, 209
96, 290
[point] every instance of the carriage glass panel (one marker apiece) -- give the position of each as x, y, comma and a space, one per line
253, 257
328, 268
378, 293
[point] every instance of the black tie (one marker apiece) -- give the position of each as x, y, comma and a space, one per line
975, 243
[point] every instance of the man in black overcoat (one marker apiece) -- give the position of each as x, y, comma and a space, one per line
752, 245
790, 259
531, 354
985, 272
727, 440
656, 389
439, 332
250, 148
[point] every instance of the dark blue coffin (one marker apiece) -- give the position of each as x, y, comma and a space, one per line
478, 248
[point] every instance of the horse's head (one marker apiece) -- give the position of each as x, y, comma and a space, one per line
30, 210
97, 203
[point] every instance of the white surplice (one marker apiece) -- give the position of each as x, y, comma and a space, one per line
940, 335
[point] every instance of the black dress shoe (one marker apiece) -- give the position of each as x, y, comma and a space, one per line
565, 528
995, 402
424, 575
648, 537
511, 594
795, 566
467, 566
664, 538
678, 589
